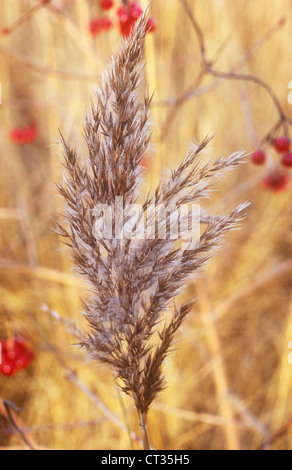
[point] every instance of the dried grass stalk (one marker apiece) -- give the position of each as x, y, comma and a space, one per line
133, 282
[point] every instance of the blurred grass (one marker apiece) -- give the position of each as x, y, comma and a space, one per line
229, 379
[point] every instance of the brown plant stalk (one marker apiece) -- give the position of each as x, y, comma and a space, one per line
284, 120
134, 280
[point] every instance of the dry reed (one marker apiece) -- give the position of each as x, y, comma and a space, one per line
134, 281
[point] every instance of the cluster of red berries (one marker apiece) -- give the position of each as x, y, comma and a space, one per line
126, 16
15, 356
23, 135
282, 145
278, 179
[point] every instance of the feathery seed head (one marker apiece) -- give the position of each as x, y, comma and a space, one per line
133, 273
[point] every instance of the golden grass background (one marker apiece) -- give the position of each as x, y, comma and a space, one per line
229, 379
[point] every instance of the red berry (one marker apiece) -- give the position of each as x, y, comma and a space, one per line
7, 370
287, 160
23, 135
121, 11
135, 10
125, 27
125, 21
258, 157
151, 25
106, 4
15, 355
276, 181
11, 355
98, 25
128, 17
282, 144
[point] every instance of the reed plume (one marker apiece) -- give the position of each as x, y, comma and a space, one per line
133, 279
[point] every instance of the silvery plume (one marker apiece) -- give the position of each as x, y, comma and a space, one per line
133, 272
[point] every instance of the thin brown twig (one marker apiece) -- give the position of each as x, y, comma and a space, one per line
193, 91
254, 79
283, 119
25, 16
5, 410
